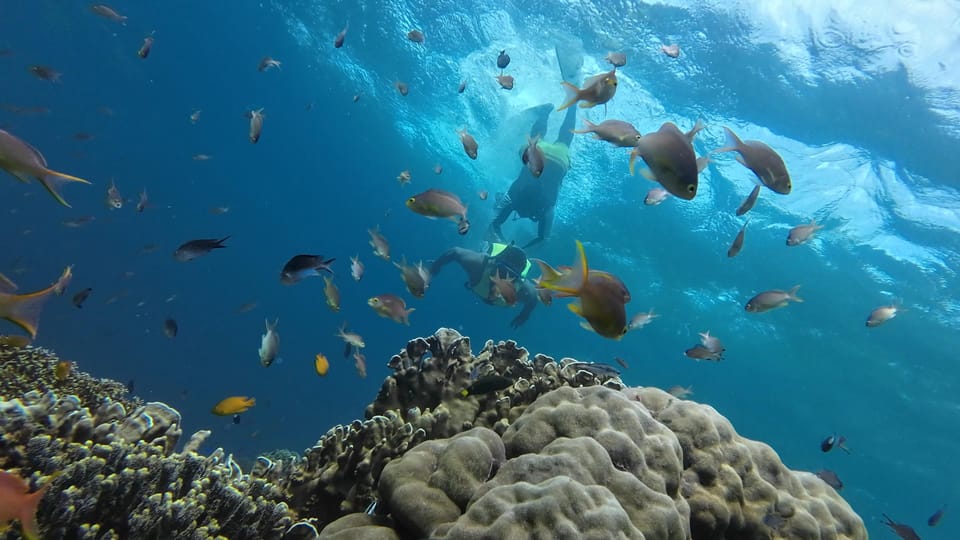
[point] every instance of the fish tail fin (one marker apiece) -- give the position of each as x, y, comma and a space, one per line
221, 241
792, 294
53, 181
733, 143
406, 315
24, 310
28, 513
575, 95
272, 326
588, 127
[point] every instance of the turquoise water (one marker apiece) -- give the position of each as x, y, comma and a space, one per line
862, 106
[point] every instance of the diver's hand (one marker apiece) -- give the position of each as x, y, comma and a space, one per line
518, 321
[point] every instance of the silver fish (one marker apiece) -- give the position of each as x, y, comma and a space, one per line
774, 299
269, 344
802, 233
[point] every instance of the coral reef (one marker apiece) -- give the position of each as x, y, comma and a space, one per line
421, 401
576, 461
558, 449
30, 368
115, 475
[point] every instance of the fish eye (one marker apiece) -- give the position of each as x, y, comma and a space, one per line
691, 188
411, 200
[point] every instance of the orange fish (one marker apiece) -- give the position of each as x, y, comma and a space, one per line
23, 310
321, 364
233, 405
17, 503
24, 161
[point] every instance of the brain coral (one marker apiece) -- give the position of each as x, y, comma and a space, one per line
601, 463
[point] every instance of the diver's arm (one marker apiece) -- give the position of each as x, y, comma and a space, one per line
528, 295
452, 254
544, 226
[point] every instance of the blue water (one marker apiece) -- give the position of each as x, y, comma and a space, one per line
863, 107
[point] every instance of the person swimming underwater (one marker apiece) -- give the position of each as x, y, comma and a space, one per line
536, 198
498, 277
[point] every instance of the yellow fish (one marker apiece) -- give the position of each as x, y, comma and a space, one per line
23, 310
321, 364
233, 405
62, 370
17, 342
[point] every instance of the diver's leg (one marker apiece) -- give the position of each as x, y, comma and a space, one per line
570, 59
542, 113
495, 233
565, 135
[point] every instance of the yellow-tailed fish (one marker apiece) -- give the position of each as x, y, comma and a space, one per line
233, 405
597, 90
24, 310
24, 162
391, 306
603, 296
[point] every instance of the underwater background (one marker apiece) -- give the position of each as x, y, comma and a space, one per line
863, 105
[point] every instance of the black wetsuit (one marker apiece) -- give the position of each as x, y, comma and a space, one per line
480, 266
535, 198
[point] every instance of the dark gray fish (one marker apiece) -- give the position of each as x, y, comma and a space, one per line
402, 88
144, 51
81, 297
902, 530
462, 87
830, 478
699, 352
196, 248
748, 203
737, 244
347, 349
130, 386
108, 12
416, 36
772, 299
170, 328
45, 73
303, 266
338, 42
762, 160
470, 145
503, 60
596, 368
486, 385
236, 419
936, 517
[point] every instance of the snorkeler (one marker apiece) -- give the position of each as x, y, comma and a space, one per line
499, 277
535, 198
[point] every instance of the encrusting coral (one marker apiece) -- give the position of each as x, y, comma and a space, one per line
558, 449
31, 368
